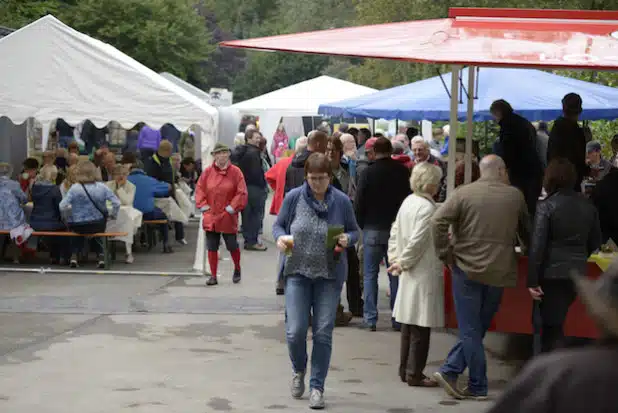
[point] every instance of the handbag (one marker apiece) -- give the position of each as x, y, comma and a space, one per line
91, 226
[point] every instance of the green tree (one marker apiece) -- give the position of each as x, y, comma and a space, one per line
17, 13
165, 35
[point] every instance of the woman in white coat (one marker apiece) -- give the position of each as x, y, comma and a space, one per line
419, 304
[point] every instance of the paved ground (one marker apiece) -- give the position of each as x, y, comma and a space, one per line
103, 343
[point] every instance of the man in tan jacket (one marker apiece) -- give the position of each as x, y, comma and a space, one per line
485, 217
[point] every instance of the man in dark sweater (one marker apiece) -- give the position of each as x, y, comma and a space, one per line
382, 188
317, 141
567, 138
248, 158
516, 145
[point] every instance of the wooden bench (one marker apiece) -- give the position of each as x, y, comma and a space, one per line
151, 234
106, 236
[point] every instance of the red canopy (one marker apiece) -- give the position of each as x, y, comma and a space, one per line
471, 36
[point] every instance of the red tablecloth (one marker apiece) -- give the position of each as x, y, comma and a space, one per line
515, 314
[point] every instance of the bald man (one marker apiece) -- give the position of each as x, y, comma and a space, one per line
486, 217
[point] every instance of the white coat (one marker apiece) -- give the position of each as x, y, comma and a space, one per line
420, 296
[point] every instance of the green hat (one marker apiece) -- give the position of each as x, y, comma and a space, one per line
219, 147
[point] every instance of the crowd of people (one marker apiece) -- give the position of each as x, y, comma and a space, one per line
351, 201
92, 194
348, 203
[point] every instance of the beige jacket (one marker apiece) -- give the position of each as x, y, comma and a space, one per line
420, 295
486, 216
126, 193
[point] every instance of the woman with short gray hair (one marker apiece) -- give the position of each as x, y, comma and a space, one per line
419, 304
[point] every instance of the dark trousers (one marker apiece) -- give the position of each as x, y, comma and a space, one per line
59, 247
179, 231
96, 244
213, 240
414, 351
156, 215
353, 284
557, 299
253, 214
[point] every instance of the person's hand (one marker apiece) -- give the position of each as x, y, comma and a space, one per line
536, 293
343, 240
395, 269
230, 210
281, 244
204, 208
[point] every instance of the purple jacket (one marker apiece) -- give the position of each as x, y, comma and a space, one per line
148, 138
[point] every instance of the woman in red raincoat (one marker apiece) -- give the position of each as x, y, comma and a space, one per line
221, 193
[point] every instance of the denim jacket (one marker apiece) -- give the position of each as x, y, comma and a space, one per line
11, 212
82, 209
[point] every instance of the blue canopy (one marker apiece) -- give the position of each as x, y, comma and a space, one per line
534, 94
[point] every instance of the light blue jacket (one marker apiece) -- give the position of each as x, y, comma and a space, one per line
11, 212
82, 209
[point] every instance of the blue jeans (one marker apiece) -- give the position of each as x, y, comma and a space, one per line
253, 214
302, 296
475, 305
375, 248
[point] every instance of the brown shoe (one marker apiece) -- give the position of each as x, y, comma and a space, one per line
343, 319
424, 382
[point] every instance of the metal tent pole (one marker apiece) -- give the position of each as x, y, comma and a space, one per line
470, 126
452, 145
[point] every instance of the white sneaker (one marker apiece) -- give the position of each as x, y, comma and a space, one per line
182, 241
297, 386
316, 400
129, 259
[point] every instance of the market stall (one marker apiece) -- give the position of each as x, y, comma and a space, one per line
49, 70
474, 37
301, 99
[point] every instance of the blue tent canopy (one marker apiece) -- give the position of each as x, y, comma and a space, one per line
534, 94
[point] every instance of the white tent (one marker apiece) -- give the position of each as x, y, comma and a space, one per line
301, 99
187, 86
49, 70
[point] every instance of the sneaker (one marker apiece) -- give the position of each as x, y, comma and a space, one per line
167, 249
368, 327
236, 277
129, 259
256, 247
469, 396
73, 264
182, 241
101, 264
212, 281
449, 386
297, 387
316, 400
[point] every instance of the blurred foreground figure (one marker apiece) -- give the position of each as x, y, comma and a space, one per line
582, 380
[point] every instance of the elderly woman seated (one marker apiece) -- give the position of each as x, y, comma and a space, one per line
45, 215
87, 199
12, 217
130, 219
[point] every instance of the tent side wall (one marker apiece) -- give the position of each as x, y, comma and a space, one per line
13, 143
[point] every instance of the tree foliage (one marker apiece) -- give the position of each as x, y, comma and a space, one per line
165, 35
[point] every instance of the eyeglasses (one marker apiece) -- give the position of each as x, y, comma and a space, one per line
318, 179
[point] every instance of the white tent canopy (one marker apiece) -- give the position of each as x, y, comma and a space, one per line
187, 86
301, 99
49, 70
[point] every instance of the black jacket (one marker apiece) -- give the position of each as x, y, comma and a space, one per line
160, 168
567, 140
249, 159
295, 175
605, 197
517, 143
382, 188
566, 232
